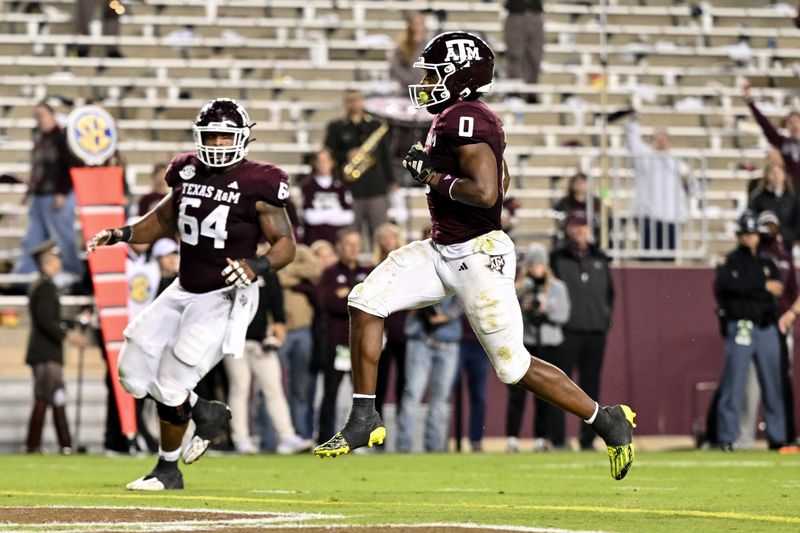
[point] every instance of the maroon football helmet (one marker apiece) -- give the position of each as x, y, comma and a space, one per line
463, 64
222, 115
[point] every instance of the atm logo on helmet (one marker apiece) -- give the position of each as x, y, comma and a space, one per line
461, 50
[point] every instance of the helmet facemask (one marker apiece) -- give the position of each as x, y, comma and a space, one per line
221, 156
425, 95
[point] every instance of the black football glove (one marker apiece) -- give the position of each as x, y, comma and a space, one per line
418, 164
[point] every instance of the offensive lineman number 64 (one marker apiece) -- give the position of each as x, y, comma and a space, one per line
213, 226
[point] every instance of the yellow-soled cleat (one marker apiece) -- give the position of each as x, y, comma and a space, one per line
338, 445
621, 453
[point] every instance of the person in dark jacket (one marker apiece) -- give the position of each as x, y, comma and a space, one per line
45, 352
51, 213
748, 285
576, 200
335, 284
585, 269
344, 137
777, 194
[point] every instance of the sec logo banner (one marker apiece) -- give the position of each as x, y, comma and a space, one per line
91, 134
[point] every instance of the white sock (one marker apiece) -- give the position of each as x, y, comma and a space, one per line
169, 456
193, 397
369, 396
596, 410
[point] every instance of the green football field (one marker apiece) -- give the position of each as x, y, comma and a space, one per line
665, 491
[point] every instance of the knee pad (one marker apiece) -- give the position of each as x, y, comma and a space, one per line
511, 363
177, 416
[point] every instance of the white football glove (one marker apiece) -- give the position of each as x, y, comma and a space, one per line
236, 275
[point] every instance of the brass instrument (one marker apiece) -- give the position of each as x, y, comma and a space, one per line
363, 159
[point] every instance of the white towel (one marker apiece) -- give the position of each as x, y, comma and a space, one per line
245, 304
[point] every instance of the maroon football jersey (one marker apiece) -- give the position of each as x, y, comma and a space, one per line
217, 215
326, 210
463, 123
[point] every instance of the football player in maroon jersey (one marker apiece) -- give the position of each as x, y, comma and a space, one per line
222, 204
468, 254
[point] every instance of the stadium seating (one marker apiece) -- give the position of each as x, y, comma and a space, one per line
290, 64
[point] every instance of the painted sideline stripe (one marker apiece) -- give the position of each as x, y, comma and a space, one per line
466, 525
730, 515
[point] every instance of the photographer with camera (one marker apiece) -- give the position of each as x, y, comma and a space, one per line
545, 304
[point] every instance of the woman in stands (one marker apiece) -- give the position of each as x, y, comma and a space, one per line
776, 193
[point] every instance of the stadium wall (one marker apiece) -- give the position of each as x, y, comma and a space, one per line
664, 340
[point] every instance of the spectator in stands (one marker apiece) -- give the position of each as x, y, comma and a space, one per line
298, 280
327, 202
661, 201
748, 286
356, 135
45, 352
166, 253
575, 200
83, 14
432, 358
776, 194
335, 284
474, 364
260, 361
545, 304
387, 239
159, 190
51, 212
585, 269
524, 36
325, 253
789, 146
408, 49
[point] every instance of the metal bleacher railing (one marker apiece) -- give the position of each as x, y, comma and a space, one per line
633, 230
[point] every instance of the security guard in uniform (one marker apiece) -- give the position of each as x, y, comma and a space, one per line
748, 286
45, 353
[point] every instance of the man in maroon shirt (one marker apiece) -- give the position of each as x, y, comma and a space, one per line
789, 147
468, 255
333, 288
222, 204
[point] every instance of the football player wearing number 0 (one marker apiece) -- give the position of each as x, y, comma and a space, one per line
468, 255
222, 204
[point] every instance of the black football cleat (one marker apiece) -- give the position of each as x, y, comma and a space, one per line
210, 419
615, 425
165, 476
366, 430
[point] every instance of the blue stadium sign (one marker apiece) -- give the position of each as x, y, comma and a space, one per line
92, 134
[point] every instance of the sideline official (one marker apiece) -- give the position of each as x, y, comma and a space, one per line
748, 286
